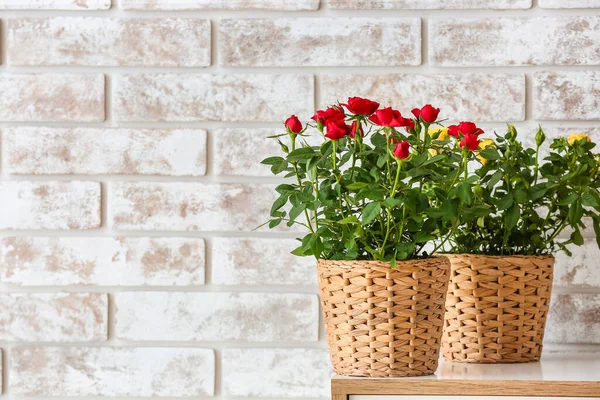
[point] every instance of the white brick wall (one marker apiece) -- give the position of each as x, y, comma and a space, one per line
131, 133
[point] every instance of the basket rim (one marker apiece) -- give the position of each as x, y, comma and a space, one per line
432, 260
521, 256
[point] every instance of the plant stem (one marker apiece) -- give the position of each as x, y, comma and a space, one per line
295, 164
389, 212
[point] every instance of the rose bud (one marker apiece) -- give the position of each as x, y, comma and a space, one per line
293, 124
388, 117
470, 142
360, 106
429, 113
576, 137
337, 130
401, 151
416, 112
453, 131
356, 127
469, 128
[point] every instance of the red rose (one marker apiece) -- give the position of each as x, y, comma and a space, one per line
294, 124
334, 113
416, 112
453, 131
356, 127
429, 113
387, 117
409, 124
337, 130
470, 142
401, 150
469, 128
360, 106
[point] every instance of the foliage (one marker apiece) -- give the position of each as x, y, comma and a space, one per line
531, 203
379, 187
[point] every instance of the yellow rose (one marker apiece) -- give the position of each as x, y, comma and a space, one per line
482, 145
575, 137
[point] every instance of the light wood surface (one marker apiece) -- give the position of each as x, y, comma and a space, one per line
556, 375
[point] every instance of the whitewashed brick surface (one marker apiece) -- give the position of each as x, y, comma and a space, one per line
246, 317
580, 269
469, 96
52, 97
166, 42
53, 317
233, 160
468, 42
110, 372
277, 373
569, 3
49, 205
79, 5
101, 261
284, 5
566, 95
189, 206
203, 97
254, 261
45, 150
320, 42
573, 318
429, 4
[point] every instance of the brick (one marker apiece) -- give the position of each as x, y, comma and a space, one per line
320, 42
165, 42
574, 318
571, 95
104, 371
477, 42
53, 317
52, 97
579, 270
81, 5
49, 205
203, 97
429, 4
101, 261
254, 261
249, 317
189, 206
278, 373
45, 150
569, 3
283, 5
472, 96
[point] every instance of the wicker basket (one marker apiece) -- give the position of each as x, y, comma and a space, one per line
496, 308
382, 321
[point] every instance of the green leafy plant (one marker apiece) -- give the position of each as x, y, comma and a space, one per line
379, 187
531, 201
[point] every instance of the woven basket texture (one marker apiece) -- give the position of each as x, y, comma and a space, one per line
384, 322
496, 308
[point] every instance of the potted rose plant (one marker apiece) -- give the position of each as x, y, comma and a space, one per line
373, 198
502, 262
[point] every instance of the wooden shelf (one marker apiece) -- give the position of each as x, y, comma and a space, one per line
557, 375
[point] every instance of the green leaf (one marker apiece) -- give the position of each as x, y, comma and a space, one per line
575, 213
272, 160
327, 148
489, 153
521, 196
300, 154
370, 212
570, 199
348, 220
494, 179
434, 159
589, 200
465, 193
422, 237
505, 202
511, 217
357, 185
279, 167
278, 203
597, 230
273, 223
299, 252
537, 191
391, 202
577, 238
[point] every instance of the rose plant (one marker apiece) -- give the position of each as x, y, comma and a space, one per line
531, 201
380, 187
